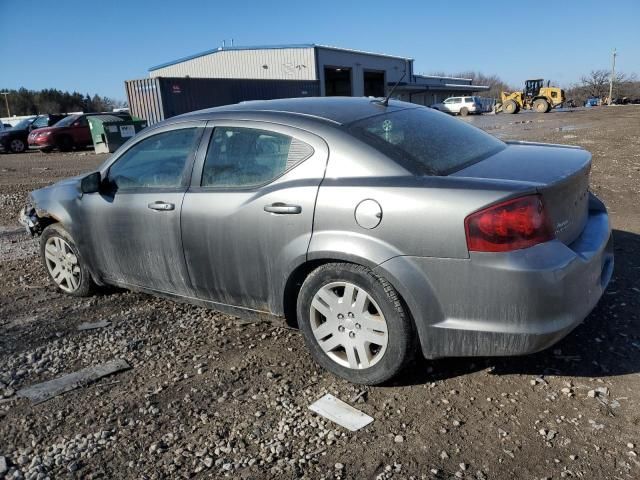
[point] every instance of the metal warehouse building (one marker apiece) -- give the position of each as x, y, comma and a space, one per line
233, 74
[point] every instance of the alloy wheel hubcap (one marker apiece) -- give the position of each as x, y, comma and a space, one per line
62, 264
17, 145
348, 325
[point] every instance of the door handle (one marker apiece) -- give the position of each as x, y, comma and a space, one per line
283, 208
161, 206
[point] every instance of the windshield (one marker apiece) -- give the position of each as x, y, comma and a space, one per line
22, 124
426, 142
66, 121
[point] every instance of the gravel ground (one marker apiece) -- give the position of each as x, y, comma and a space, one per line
209, 395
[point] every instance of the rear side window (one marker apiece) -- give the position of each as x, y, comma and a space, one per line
468, 100
426, 142
247, 157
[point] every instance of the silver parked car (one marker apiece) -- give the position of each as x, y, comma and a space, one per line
381, 229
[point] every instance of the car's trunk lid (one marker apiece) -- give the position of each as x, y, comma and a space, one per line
559, 173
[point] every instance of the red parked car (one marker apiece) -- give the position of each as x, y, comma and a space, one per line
69, 133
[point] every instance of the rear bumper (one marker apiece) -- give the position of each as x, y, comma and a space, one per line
506, 303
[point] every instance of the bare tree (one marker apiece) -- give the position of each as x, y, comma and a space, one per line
596, 84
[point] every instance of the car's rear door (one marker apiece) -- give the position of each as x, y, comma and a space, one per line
247, 218
133, 224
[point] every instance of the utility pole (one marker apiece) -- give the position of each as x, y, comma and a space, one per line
6, 102
613, 72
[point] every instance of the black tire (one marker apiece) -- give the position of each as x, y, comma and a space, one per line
65, 144
86, 286
510, 106
402, 339
540, 105
16, 145
464, 111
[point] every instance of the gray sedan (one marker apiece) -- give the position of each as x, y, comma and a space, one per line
380, 229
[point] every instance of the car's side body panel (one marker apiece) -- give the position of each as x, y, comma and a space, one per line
436, 207
238, 253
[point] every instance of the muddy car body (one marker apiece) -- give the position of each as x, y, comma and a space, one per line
377, 228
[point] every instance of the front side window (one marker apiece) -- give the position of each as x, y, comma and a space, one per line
449, 100
425, 142
155, 162
247, 157
457, 100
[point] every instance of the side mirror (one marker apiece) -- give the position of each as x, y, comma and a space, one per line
91, 183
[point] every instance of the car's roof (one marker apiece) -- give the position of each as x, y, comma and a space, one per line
337, 110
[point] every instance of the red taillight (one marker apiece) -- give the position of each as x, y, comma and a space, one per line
511, 225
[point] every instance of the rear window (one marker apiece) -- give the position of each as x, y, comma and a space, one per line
426, 142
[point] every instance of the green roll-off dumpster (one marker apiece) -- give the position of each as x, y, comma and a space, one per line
108, 132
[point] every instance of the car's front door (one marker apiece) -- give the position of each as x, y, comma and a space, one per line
81, 132
133, 223
248, 216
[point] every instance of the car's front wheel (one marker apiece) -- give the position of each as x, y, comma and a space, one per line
355, 324
64, 263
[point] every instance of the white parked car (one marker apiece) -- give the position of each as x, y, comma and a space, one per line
460, 105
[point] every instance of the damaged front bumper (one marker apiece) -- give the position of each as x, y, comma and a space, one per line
29, 219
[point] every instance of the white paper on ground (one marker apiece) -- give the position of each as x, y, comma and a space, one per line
341, 413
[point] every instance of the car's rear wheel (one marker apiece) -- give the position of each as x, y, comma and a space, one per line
64, 263
464, 111
17, 146
355, 324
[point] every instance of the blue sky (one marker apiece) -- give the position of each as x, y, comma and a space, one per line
93, 46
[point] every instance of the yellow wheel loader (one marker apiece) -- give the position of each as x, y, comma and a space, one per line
535, 97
